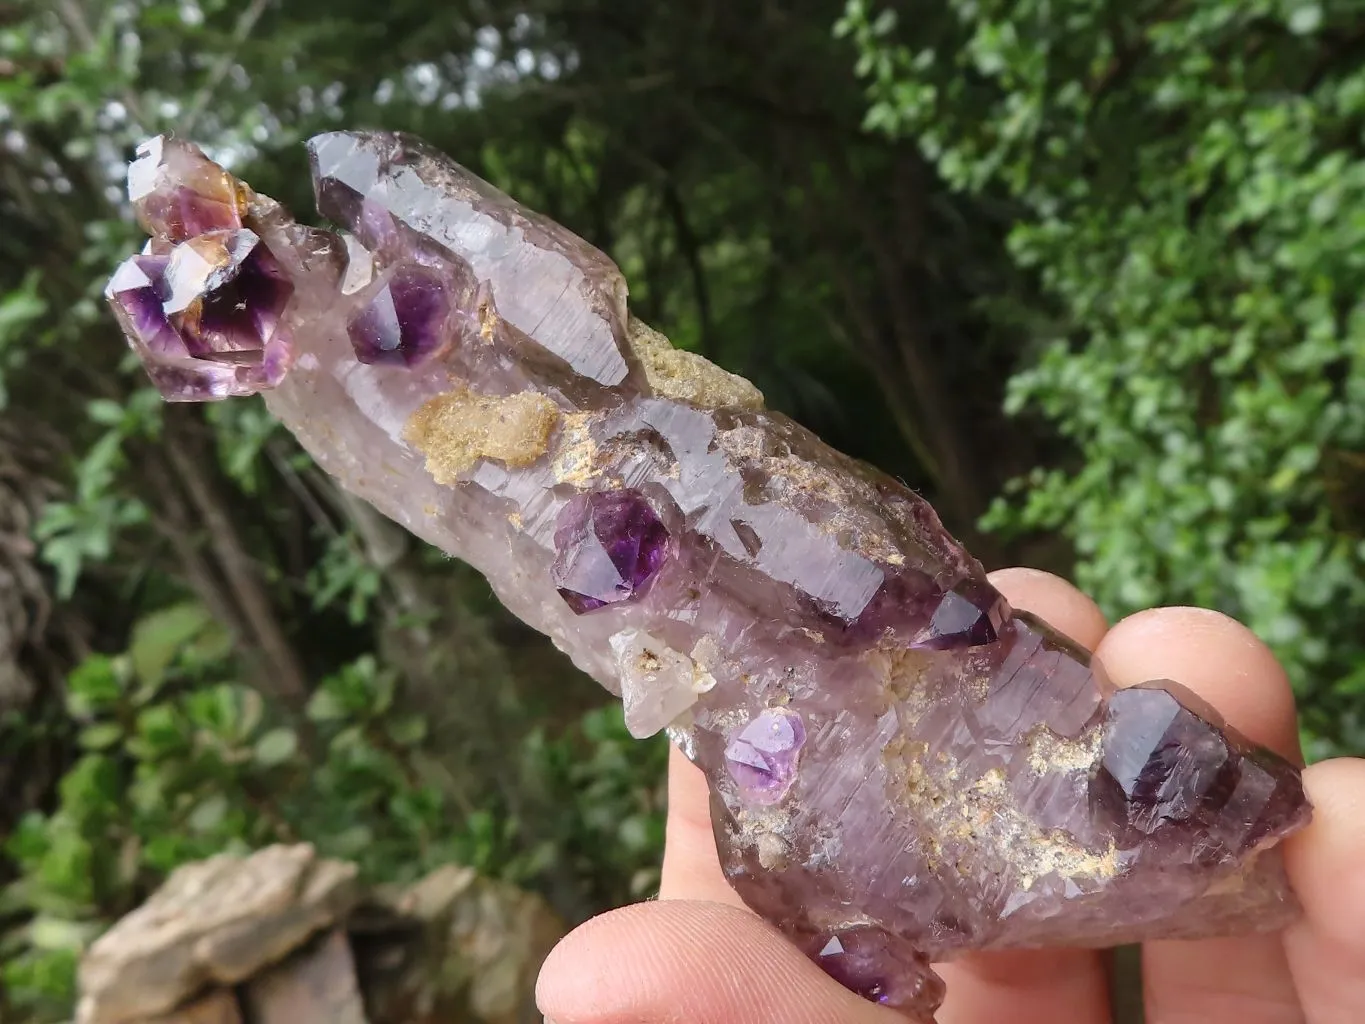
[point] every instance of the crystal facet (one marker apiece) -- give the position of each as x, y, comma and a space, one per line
902, 767
179, 193
205, 317
970, 615
611, 545
762, 755
883, 969
405, 320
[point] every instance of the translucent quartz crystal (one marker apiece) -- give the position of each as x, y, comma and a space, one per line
902, 767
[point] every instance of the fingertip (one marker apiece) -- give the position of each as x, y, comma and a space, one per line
691, 867
684, 960
1326, 865
1054, 600
1326, 860
1215, 656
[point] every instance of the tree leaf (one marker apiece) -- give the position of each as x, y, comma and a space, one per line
276, 747
160, 637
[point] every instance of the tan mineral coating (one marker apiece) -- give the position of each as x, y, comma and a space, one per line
982, 816
455, 430
687, 377
575, 454
1048, 752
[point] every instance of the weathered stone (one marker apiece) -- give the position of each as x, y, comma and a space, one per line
456, 948
213, 922
316, 985
219, 1006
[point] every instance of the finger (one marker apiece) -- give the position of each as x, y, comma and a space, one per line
1042, 986
1224, 663
1216, 657
702, 963
1326, 863
1055, 601
691, 869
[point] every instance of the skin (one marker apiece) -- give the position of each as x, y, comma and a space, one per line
698, 956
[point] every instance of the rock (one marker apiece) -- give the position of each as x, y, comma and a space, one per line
216, 921
314, 986
220, 1006
457, 949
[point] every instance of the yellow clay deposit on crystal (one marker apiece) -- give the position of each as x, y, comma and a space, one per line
576, 452
457, 429
686, 376
901, 671
1048, 752
980, 818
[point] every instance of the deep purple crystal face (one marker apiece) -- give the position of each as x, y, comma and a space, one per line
762, 756
609, 547
882, 969
406, 321
178, 192
1167, 775
912, 607
970, 615
206, 318
903, 603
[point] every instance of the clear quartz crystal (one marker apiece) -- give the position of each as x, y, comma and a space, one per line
902, 767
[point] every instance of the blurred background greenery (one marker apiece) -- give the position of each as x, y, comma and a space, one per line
1088, 273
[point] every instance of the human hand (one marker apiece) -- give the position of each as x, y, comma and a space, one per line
698, 956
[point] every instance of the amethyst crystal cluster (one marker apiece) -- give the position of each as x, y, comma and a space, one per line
903, 768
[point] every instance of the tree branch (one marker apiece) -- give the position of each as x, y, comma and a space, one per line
691, 252
287, 679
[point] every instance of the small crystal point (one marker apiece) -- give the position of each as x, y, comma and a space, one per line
406, 320
206, 318
882, 969
1169, 776
178, 192
970, 615
762, 756
611, 545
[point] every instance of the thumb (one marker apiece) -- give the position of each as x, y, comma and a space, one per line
684, 960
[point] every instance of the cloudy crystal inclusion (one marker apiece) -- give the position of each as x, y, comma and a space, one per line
902, 767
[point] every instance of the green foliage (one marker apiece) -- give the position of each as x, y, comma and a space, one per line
607, 817
178, 762
1192, 198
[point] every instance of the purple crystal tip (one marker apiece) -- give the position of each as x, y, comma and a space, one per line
762, 755
972, 614
1171, 776
406, 322
882, 968
206, 317
609, 547
204, 305
178, 192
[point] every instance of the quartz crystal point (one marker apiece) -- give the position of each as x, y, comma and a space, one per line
902, 768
